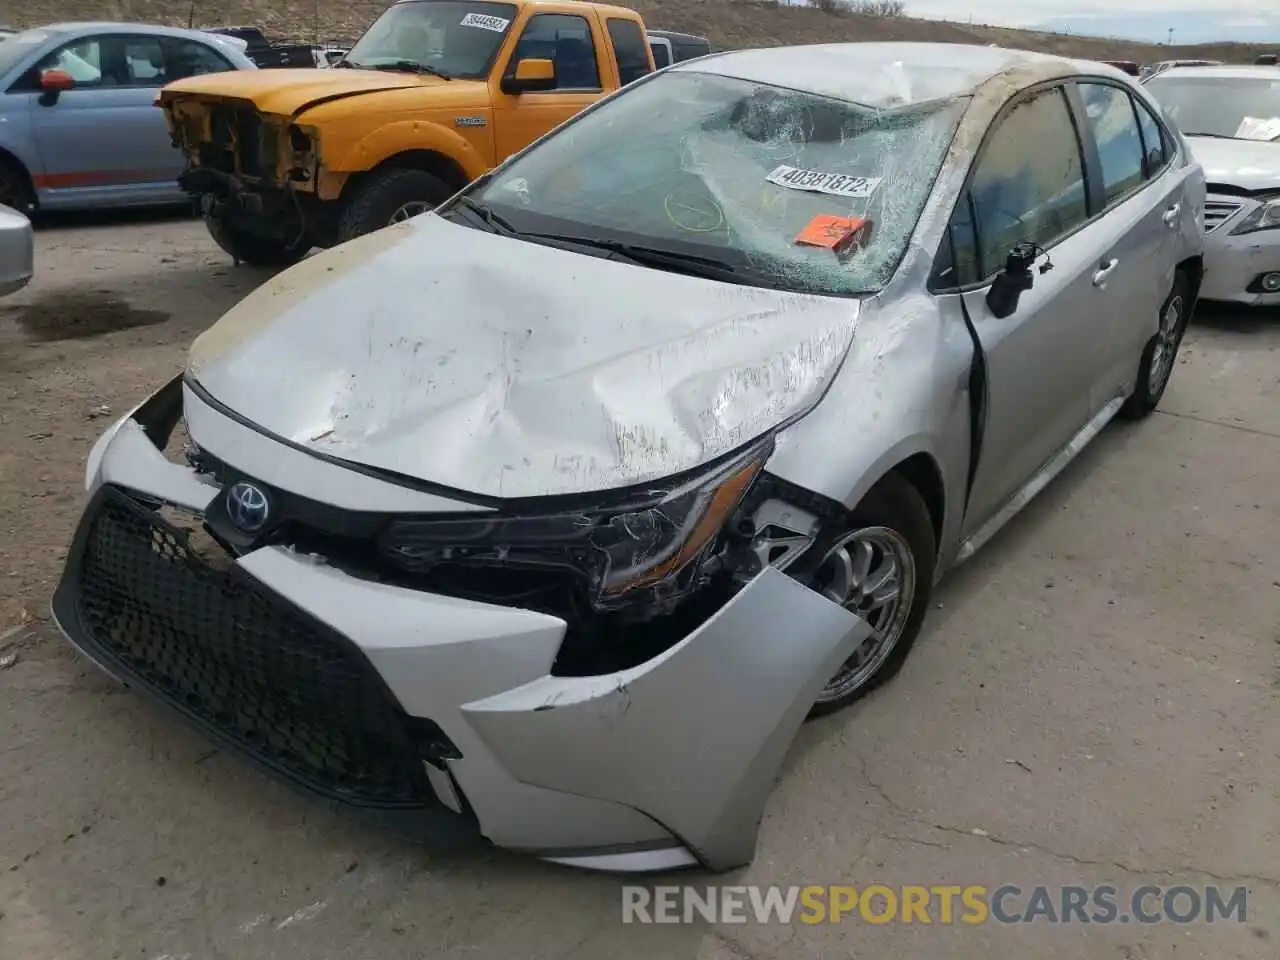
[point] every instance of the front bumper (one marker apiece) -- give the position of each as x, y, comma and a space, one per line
439, 713
1233, 264
17, 251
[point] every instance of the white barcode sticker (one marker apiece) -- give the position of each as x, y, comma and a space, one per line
485, 22
816, 181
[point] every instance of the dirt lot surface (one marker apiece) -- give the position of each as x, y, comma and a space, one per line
1095, 700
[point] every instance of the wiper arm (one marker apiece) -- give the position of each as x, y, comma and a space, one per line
415, 67
694, 265
495, 222
1213, 136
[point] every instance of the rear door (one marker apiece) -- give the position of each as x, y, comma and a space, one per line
569, 41
1141, 200
104, 141
1028, 184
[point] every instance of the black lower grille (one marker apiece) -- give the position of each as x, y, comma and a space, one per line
215, 643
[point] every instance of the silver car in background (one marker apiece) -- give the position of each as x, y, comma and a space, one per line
78, 123
17, 251
1231, 118
551, 515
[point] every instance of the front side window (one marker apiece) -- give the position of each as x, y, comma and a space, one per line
1235, 108
458, 38
661, 54
1110, 115
82, 60
567, 42
629, 49
1029, 181
144, 62
789, 189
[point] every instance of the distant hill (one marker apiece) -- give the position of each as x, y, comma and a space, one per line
729, 24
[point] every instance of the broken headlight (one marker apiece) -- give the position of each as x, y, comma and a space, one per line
1265, 217
652, 544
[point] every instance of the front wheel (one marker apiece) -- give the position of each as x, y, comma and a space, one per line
882, 570
1160, 353
384, 197
252, 249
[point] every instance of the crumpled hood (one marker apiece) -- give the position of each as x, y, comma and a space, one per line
1247, 164
510, 369
286, 92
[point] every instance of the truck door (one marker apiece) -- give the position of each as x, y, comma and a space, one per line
571, 43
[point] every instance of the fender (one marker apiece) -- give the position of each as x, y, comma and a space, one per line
399, 137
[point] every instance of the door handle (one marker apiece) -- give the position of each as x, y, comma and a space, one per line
1171, 215
1104, 270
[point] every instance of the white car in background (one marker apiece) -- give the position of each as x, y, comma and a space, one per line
16, 250
1231, 117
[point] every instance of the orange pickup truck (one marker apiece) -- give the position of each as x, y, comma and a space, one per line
434, 94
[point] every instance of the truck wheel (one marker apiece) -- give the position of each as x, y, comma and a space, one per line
385, 197
252, 249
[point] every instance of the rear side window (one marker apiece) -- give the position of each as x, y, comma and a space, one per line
1029, 181
144, 62
1155, 146
187, 58
1110, 114
630, 50
661, 54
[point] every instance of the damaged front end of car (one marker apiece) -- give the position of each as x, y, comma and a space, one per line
608, 681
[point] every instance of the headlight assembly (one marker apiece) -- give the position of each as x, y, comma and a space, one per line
653, 544
1265, 217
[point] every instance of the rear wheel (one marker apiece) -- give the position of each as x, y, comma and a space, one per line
882, 570
384, 197
252, 249
15, 189
1160, 353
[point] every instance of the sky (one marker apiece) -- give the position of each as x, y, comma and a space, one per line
1192, 21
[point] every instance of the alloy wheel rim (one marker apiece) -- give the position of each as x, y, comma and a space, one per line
409, 210
1166, 344
871, 573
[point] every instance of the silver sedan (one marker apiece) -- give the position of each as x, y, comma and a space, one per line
551, 514
16, 251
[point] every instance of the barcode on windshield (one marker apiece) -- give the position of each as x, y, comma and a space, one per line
816, 181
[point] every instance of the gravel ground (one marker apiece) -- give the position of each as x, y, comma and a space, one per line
1095, 701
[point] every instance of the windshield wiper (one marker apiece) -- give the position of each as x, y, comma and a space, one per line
415, 67
1214, 136
494, 221
345, 64
694, 265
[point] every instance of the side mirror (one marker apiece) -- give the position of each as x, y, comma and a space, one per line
1013, 281
56, 81
532, 75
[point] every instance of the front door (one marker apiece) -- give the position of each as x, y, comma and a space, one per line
1029, 185
570, 42
104, 141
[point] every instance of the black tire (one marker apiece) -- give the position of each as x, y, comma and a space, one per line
1153, 378
15, 187
252, 249
378, 196
894, 505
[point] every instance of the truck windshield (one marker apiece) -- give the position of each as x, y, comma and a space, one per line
457, 38
775, 187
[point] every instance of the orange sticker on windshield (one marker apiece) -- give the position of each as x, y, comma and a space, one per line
834, 233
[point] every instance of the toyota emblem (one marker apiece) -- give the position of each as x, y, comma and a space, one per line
247, 506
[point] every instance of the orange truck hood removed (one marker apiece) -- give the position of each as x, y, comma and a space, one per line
287, 92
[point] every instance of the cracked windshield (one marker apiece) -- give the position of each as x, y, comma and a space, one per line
444, 37
737, 180
1228, 107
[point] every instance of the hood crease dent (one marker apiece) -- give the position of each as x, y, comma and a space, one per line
510, 369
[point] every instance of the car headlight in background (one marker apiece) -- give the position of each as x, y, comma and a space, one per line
627, 552
1265, 217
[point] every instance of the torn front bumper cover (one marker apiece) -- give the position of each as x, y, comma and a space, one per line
440, 713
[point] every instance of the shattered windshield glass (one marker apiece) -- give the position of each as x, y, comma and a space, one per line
785, 188
457, 38
1237, 108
